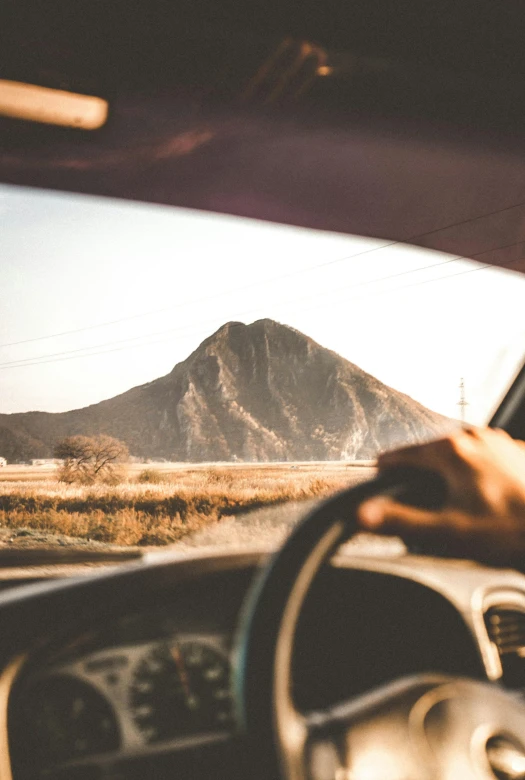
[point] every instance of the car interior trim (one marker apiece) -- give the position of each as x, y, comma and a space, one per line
8, 676
482, 602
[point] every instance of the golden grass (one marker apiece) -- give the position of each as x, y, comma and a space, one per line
124, 527
178, 503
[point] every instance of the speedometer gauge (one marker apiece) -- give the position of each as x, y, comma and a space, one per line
179, 689
66, 718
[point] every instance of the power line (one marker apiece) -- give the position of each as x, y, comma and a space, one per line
200, 332
29, 361
415, 284
197, 300
402, 287
72, 354
409, 239
35, 360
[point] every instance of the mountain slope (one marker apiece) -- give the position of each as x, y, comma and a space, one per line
249, 392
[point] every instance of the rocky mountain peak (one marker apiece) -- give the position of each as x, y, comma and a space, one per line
262, 391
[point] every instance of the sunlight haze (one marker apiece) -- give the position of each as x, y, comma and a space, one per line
143, 285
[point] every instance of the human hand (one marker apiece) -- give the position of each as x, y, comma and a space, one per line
484, 517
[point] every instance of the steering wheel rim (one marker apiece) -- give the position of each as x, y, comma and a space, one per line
266, 637
265, 641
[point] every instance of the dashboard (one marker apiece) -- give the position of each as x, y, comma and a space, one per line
153, 679
128, 697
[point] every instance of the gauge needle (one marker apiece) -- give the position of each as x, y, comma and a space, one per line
181, 668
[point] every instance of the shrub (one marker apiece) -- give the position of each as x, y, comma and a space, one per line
151, 477
90, 459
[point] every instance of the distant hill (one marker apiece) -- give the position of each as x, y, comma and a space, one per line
249, 392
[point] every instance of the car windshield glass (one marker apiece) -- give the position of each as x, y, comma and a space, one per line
164, 369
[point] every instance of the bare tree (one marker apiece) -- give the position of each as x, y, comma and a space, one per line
90, 459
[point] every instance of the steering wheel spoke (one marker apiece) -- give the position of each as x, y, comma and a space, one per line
425, 727
369, 736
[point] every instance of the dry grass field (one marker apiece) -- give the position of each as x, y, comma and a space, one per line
160, 504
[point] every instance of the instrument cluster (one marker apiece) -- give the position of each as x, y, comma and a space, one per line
126, 698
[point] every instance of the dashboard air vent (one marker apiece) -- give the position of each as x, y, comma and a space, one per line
506, 629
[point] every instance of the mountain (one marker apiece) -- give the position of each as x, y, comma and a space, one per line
249, 392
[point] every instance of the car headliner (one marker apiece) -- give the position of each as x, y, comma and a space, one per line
418, 137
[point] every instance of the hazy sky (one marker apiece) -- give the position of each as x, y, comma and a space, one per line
171, 277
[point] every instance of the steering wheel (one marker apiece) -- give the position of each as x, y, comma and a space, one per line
426, 726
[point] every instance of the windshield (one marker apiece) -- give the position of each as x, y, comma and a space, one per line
197, 366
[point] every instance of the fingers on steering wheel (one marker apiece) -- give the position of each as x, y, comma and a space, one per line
439, 455
387, 516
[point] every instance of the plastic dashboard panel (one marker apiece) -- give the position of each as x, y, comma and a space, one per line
370, 620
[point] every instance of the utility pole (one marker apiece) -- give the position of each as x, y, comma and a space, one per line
462, 403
